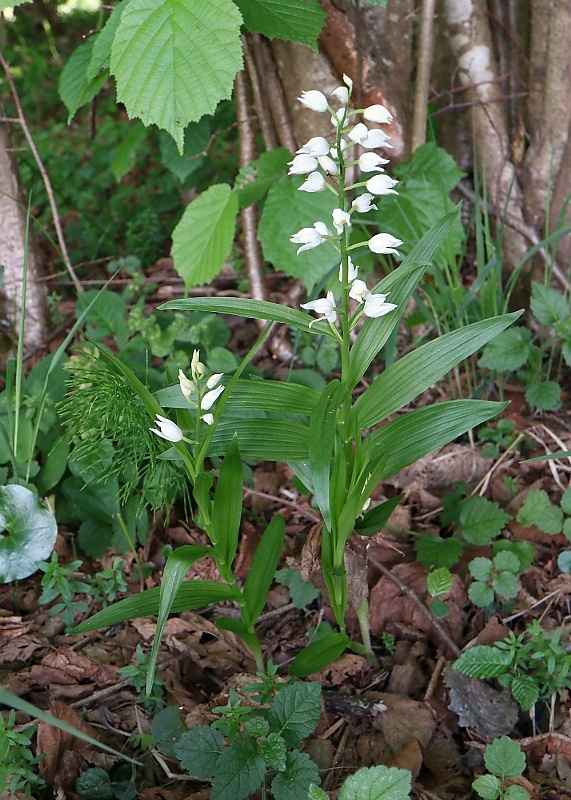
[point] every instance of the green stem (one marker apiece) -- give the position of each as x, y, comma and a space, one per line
363, 618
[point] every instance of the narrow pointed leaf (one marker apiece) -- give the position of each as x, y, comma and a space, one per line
262, 570
322, 431
266, 439
227, 509
318, 655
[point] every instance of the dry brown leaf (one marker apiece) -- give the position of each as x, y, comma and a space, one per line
409, 757
345, 668
402, 720
489, 712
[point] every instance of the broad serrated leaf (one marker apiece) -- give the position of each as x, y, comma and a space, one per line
101, 52
315, 793
481, 594
504, 758
202, 239
198, 751
239, 771
524, 551
295, 710
377, 783
506, 584
508, 351
515, 792
545, 395
75, 87
538, 510
299, 773
276, 227
438, 608
436, 551
484, 662
547, 304
258, 177
302, 593
273, 751
507, 561
174, 60
487, 787
481, 520
525, 691
291, 20
481, 569
439, 581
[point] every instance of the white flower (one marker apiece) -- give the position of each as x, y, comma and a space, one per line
381, 184
314, 100
378, 113
214, 379
363, 203
341, 219
333, 150
168, 430
197, 368
369, 162
313, 183
347, 80
337, 117
353, 271
208, 418
328, 165
376, 138
302, 164
359, 133
384, 243
341, 94
210, 398
318, 146
310, 237
375, 305
324, 306
187, 386
358, 291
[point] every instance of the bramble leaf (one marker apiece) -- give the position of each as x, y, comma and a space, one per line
295, 711
377, 783
487, 787
300, 771
239, 771
538, 510
504, 758
198, 751
481, 520
434, 550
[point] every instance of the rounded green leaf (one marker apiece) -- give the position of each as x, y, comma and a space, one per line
481, 568
202, 239
481, 594
28, 533
487, 787
564, 561
174, 60
504, 758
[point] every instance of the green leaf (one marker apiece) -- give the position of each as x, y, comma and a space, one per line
322, 434
107, 313
196, 140
174, 60
481, 520
318, 655
506, 584
94, 784
507, 561
508, 351
401, 284
239, 771
545, 395
266, 439
101, 52
54, 466
411, 436
481, 569
438, 609
227, 510
483, 662
504, 758
524, 551
376, 518
239, 628
198, 751
436, 551
126, 152
377, 783
262, 570
424, 366
547, 304
302, 593
167, 728
525, 691
538, 510
315, 793
4, 4
273, 751
202, 239
481, 594
191, 594
299, 773
487, 787
292, 20
75, 88
258, 177
565, 501
276, 227
295, 710
28, 533
564, 561
515, 792
439, 581
242, 307
275, 396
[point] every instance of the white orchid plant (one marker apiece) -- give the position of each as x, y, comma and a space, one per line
339, 447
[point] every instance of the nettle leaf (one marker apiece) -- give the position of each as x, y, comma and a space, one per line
481, 594
198, 751
483, 661
300, 771
525, 691
239, 771
439, 582
481, 520
276, 227
509, 351
547, 304
295, 711
75, 87
538, 510
273, 751
28, 533
377, 783
202, 239
174, 60
545, 395
487, 787
291, 20
504, 758
436, 551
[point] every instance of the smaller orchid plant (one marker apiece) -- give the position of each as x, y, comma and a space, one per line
339, 446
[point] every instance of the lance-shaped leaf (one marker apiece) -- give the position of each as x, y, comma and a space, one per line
400, 284
411, 375
266, 439
322, 431
262, 570
174, 60
227, 510
319, 655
